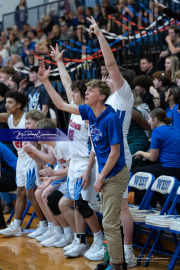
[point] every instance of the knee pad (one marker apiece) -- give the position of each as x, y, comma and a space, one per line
53, 200
83, 208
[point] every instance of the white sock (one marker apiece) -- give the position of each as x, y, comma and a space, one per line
68, 230
98, 236
75, 235
50, 224
43, 223
17, 222
128, 249
58, 229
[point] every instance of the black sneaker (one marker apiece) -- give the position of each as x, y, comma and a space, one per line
102, 266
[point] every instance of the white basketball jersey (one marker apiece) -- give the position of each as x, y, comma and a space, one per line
80, 144
18, 144
62, 154
122, 102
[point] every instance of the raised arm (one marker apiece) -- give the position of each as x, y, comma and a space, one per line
109, 59
58, 101
64, 75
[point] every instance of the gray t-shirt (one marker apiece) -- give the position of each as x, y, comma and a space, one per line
177, 45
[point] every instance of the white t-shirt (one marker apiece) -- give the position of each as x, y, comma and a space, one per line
62, 154
122, 102
80, 144
18, 145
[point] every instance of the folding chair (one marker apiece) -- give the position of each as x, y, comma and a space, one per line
165, 185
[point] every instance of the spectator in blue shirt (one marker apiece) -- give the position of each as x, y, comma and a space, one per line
8, 175
29, 48
172, 97
165, 148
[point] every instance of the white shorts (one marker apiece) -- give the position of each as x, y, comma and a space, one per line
27, 173
74, 189
61, 183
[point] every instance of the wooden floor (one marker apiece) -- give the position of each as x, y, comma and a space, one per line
22, 253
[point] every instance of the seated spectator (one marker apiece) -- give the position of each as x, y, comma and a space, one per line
38, 98
172, 97
8, 175
29, 47
159, 100
89, 13
40, 35
166, 11
177, 76
33, 35
14, 82
16, 61
106, 9
165, 147
173, 41
96, 12
172, 64
6, 73
26, 29
137, 137
104, 71
4, 40
4, 52
2, 61
141, 85
146, 65
139, 105
14, 44
66, 33
56, 34
48, 24
46, 41
80, 18
162, 80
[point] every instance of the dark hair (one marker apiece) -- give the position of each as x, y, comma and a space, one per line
3, 89
19, 97
91, 10
16, 78
144, 81
160, 114
163, 104
80, 86
176, 29
148, 58
27, 37
175, 91
34, 69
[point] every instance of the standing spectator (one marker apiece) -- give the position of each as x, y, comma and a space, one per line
172, 64
48, 24
96, 12
167, 11
142, 84
14, 44
146, 65
106, 9
38, 98
173, 41
173, 99
21, 14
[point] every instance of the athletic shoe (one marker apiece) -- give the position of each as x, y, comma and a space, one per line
72, 245
95, 247
131, 260
53, 239
12, 230
8, 208
79, 249
96, 256
40, 230
65, 240
46, 235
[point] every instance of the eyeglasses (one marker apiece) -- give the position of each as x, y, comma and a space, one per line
156, 98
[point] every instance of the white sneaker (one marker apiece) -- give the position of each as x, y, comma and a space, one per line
46, 235
98, 256
131, 260
79, 249
73, 243
65, 240
40, 230
12, 230
95, 248
53, 239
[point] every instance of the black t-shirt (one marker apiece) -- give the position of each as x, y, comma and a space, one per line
148, 99
37, 97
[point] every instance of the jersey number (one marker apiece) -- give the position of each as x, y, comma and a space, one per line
71, 134
18, 144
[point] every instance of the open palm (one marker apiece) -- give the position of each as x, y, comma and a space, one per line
43, 73
55, 54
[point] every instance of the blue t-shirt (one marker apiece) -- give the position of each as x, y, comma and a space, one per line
106, 130
173, 113
8, 159
167, 140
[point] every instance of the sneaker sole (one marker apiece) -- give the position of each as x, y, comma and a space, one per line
131, 264
16, 235
97, 259
75, 255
